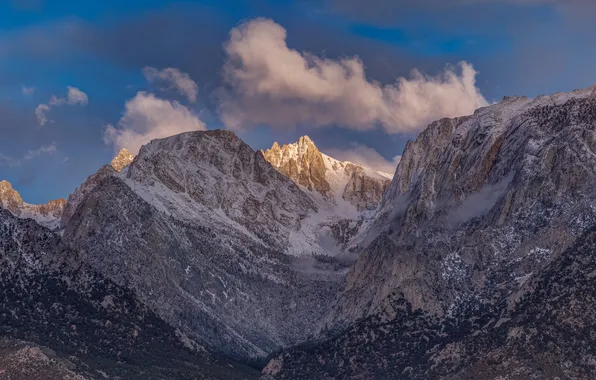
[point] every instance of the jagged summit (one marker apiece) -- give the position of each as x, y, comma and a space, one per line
48, 214
122, 159
9, 197
336, 181
302, 162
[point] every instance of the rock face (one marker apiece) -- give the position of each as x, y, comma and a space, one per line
479, 256
334, 180
75, 199
199, 225
122, 160
365, 188
24, 361
78, 324
302, 162
48, 215
119, 163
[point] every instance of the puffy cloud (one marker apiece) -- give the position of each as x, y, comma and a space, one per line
363, 155
174, 79
147, 117
45, 149
266, 82
40, 113
27, 91
74, 97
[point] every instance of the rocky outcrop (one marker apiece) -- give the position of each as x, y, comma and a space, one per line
79, 324
302, 162
457, 271
335, 180
365, 188
48, 214
122, 160
77, 196
24, 361
200, 226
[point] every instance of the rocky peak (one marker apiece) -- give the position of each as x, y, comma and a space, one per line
47, 214
10, 199
302, 162
122, 159
336, 180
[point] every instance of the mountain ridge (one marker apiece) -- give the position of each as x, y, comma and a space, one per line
48, 214
476, 258
208, 234
479, 208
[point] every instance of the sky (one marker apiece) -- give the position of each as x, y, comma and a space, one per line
81, 79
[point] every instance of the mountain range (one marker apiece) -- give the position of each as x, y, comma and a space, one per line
202, 258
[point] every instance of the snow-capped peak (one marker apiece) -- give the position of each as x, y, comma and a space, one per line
337, 181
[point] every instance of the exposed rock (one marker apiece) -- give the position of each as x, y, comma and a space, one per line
48, 214
122, 160
459, 261
365, 188
302, 162
25, 361
75, 199
335, 180
200, 226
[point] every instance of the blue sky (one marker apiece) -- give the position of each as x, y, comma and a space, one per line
516, 47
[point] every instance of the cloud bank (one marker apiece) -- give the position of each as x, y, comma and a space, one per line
147, 117
172, 78
266, 82
363, 155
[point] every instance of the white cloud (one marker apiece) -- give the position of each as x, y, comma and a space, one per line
46, 149
269, 83
27, 91
147, 117
74, 97
40, 113
56, 101
363, 155
174, 79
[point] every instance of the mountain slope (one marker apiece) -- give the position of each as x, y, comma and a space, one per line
51, 298
479, 206
122, 160
200, 226
47, 215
